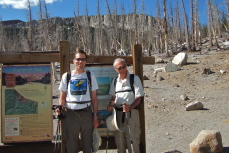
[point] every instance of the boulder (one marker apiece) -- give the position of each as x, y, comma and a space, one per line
207, 141
171, 67
180, 59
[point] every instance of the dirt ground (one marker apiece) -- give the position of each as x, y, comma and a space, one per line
168, 125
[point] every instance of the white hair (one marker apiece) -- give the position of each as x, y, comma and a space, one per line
118, 59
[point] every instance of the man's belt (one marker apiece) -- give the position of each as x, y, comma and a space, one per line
121, 109
78, 102
79, 110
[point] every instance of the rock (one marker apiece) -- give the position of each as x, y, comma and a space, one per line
207, 141
145, 77
159, 60
161, 69
207, 71
180, 59
172, 151
226, 43
176, 85
196, 105
184, 97
159, 78
170, 67
222, 71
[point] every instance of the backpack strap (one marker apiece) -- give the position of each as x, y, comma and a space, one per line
115, 81
131, 84
89, 81
68, 78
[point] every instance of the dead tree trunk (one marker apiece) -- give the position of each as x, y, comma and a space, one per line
210, 11
186, 27
87, 34
193, 48
178, 25
99, 31
165, 29
30, 25
135, 21
112, 18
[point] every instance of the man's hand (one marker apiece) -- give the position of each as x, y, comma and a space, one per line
58, 111
96, 121
126, 108
110, 106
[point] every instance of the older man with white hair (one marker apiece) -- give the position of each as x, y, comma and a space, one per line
127, 92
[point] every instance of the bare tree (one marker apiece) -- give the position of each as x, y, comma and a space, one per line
99, 32
193, 48
48, 31
186, 26
227, 6
211, 22
87, 34
158, 29
217, 19
165, 28
30, 38
177, 25
1, 36
135, 21
122, 44
79, 28
112, 18
142, 19
198, 37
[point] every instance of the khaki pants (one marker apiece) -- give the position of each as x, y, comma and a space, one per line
122, 139
76, 123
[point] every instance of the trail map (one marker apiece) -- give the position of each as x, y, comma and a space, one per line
26, 97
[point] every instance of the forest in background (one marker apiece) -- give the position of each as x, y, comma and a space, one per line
169, 32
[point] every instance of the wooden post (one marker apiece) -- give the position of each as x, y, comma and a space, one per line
138, 70
64, 57
64, 67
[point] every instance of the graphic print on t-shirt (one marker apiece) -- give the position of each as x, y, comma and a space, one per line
78, 87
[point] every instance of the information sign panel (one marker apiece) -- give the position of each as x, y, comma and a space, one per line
26, 102
104, 76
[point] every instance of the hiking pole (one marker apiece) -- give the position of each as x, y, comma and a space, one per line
107, 140
128, 127
58, 144
57, 136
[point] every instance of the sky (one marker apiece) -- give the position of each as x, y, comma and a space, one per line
16, 9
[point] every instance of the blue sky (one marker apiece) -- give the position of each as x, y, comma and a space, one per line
16, 9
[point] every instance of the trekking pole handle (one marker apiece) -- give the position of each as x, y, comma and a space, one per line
126, 108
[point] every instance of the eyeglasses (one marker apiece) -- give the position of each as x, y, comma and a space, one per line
123, 67
80, 59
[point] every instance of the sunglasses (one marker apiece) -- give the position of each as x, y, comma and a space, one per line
123, 67
80, 59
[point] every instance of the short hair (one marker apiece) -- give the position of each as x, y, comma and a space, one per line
119, 59
80, 51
